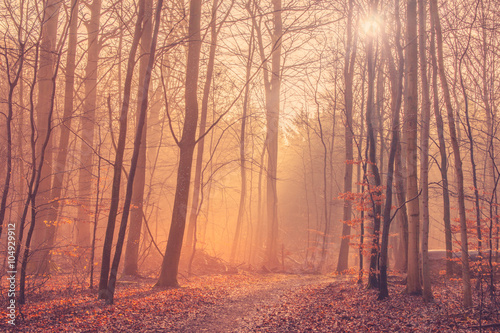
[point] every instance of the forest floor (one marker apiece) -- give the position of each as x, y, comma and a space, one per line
252, 302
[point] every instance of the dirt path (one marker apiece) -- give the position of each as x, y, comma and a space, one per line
246, 306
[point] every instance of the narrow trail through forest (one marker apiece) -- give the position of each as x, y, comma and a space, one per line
247, 305
252, 302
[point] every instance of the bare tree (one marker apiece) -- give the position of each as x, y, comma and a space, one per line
244, 116
135, 157
62, 147
396, 78
424, 157
350, 58
43, 231
88, 123
137, 208
117, 168
272, 92
170, 264
411, 120
458, 161
443, 154
374, 191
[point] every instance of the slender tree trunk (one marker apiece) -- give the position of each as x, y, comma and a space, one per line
326, 200
33, 182
195, 202
170, 264
260, 215
396, 78
374, 191
424, 144
411, 119
62, 148
490, 177
272, 115
314, 193
241, 208
402, 262
469, 134
135, 157
361, 176
458, 161
349, 59
98, 203
43, 233
84, 217
379, 118
137, 203
443, 155
117, 168
40, 143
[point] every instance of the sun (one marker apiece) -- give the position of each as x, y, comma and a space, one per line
371, 25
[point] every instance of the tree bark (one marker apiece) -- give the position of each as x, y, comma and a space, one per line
241, 207
402, 259
424, 157
374, 191
85, 180
137, 208
197, 186
62, 149
135, 157
467, 293
349, 59
45, 89
170, 264
396, 78
272, 126
40, 142
443, 154
411, 120
117, 168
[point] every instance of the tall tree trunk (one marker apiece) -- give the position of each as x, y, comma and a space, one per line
260, 214
43, 232
411, 120
272, 87
62, 148
443, 155
241, 208
170, 264
135, 157
468, 132
458, 161
490, 177
195, 202
326, 199
137, 208
349, 61
84, 217
374, 191
40, 142
424, 144
117, 168
396, 78
402, 258
272, 126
